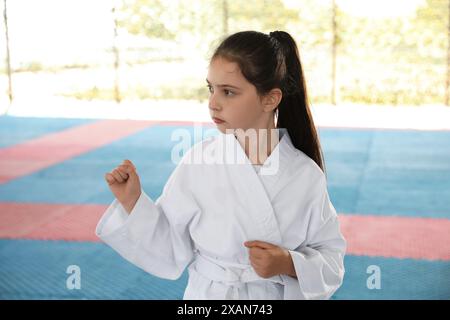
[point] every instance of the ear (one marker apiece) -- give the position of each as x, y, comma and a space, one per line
272, 99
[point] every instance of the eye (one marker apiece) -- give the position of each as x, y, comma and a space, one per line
228, 92
210, 88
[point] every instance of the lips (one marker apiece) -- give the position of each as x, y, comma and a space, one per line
217, 120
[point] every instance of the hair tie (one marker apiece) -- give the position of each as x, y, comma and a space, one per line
275, 41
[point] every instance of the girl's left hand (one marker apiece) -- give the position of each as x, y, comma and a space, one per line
269, 260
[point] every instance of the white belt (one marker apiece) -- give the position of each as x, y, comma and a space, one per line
234, 275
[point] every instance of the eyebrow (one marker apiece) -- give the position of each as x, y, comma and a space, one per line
224, 85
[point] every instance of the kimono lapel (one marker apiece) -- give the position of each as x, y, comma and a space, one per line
262, 222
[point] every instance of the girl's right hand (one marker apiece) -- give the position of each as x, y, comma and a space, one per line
124, 183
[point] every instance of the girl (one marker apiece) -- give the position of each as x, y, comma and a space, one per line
261, 227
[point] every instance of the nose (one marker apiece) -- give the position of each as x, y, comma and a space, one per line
213, 104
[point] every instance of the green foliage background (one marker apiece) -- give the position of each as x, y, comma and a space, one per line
400, 61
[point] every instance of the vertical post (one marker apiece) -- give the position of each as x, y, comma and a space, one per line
333, 56
8, 57
225, 16
117, 96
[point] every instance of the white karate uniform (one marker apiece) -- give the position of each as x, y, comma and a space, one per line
207, 211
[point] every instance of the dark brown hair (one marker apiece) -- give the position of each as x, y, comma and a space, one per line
272, 61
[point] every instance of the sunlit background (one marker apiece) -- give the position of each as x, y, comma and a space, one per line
81, 58
86, 84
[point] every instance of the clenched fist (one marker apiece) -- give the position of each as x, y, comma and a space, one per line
269, 260
125, 184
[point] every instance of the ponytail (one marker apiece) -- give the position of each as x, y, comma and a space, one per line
293, 112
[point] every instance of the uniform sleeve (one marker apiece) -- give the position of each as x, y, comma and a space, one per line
319, 261
155, 235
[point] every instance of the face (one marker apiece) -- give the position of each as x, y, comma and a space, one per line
235, 100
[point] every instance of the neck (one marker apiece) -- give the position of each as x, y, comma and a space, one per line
258, 143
